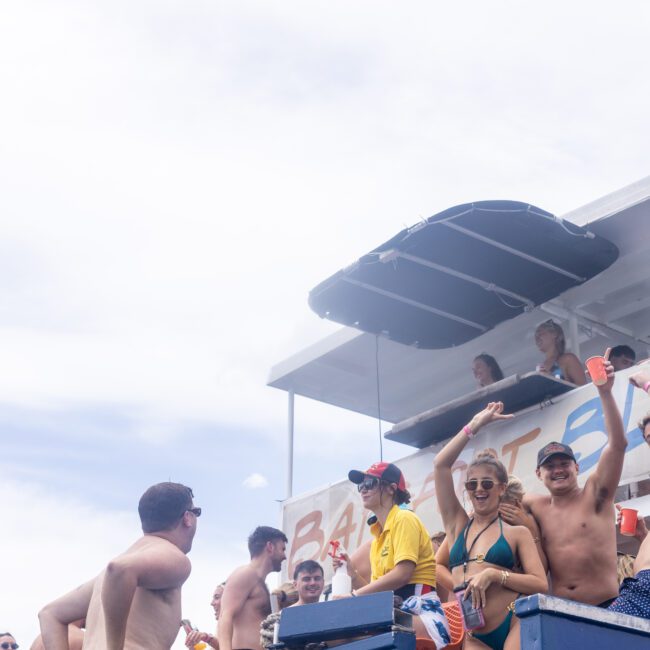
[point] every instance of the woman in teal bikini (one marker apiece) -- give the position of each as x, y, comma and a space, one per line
484, 550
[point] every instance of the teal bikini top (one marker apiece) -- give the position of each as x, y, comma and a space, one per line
500, 553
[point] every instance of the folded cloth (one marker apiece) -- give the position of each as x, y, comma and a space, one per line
429, 608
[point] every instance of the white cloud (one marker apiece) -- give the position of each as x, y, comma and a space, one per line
255, 481
178, 176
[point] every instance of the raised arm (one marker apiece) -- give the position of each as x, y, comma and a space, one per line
608, 472
451, 509
238, 588
155, 567
55, 617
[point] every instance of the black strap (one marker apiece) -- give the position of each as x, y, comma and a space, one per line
466, 553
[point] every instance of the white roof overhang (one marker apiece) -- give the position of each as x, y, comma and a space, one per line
612, 308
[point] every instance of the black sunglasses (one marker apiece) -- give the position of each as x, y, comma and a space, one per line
5, 645
195, 511
472, 484
369, 483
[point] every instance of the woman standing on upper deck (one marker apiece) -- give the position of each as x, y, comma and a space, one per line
549, 338
484, 549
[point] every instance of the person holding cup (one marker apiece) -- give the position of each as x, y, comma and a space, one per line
577, 535
634, 596
492, 562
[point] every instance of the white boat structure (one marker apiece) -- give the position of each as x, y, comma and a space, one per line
477, 278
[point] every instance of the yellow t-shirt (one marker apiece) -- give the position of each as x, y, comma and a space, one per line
403, 538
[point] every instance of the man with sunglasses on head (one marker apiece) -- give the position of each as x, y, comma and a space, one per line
576, 531
246, 602
135, 602
7, 641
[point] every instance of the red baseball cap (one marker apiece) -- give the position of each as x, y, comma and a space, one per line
384, 471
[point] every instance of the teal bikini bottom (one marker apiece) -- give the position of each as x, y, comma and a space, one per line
497, 637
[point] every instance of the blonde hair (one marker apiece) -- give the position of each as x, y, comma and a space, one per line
514, 490
555, 328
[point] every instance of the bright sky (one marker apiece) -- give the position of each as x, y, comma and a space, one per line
174, 178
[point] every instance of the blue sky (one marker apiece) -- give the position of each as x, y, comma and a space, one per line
175, 177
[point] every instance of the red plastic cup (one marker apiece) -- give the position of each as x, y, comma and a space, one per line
628, 521
596, 368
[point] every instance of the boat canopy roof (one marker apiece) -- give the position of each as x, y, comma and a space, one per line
458, 274
349, 367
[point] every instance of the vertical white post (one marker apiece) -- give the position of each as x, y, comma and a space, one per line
573, 335
290, 446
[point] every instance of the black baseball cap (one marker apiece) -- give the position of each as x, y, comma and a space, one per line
554, 449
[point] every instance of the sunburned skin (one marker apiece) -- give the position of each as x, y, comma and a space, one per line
154, 616
576, 523
135, 602
571, 522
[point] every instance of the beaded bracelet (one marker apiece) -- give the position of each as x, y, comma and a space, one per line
468, 431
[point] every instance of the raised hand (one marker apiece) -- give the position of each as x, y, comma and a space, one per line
492, 412
194, 637
609, 369
641, 531
515, 515
640, 379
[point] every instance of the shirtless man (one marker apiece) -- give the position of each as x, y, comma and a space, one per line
135, 602
309, 580
576, 525
245, 602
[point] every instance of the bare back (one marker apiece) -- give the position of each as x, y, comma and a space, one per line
155, 614
579, 539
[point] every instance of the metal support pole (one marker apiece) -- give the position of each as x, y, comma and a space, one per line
290, 447
574, 335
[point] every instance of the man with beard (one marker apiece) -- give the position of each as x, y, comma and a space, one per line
245, 602
576, 530
309, 580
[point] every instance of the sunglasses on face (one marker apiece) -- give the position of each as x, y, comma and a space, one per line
368, 484
472, 484
5, 645
195, 511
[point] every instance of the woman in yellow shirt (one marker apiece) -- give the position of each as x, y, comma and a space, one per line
401, 556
